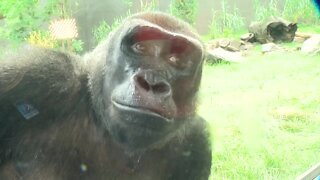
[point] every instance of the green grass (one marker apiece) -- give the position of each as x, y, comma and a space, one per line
309, 28
264, 116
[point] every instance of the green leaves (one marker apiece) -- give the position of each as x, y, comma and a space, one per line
24, 16
101, 31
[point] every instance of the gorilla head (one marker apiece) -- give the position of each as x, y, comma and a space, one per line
144, 84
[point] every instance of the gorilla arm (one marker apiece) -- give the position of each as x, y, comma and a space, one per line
43, 78
195, 158
36, 70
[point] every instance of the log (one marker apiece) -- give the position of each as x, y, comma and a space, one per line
304, 35
311, 173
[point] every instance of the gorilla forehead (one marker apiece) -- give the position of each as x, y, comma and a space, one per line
167, 22
161, 22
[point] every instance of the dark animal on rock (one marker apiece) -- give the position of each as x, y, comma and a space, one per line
124, 111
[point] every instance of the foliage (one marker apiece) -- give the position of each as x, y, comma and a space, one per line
45, 40
42, 39
267, 9
26, 19
23, 17
310, 28
300, 11
77, 45
224, 23
101, 31
184, 9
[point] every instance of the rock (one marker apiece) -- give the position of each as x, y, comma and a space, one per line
228, 50
212, 44
248, 37
224, 43
211, 59
219, 54
227, 44
271, 47
246, 46
234, 46
311, 45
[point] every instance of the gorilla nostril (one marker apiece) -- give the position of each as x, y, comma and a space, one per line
160, 88
153, 84
142, 83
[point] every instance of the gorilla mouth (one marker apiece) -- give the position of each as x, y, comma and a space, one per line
143, 110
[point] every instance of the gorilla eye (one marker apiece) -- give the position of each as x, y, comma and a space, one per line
177, 61
139, 48
173, 59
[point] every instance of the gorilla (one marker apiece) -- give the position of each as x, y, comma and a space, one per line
126, 110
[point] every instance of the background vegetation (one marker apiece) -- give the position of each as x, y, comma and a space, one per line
28, 20
184, 9
23, 17
226, 23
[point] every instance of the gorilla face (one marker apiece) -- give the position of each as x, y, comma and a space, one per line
151, 91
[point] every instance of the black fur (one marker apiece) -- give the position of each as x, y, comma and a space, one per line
80, 132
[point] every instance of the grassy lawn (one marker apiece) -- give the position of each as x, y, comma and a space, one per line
264, 116
309, 28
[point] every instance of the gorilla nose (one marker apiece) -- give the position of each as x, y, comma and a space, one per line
150, 82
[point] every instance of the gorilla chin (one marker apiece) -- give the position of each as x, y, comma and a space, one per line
139, 127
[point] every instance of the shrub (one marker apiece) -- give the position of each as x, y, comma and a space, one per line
42, 39
101, 31
300, 11
264, 10
77, 45
224, 23
184, 9
23, 17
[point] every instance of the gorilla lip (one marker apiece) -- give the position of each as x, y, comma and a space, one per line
141, 109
